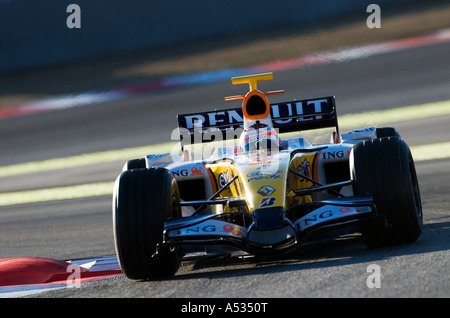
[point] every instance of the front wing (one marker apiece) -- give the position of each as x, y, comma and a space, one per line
240, 229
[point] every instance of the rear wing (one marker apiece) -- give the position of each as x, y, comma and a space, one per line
298, 115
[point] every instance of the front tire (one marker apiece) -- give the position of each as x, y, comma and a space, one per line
384, 168
142, 200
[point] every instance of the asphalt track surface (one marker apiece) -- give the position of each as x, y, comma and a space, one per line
82, 228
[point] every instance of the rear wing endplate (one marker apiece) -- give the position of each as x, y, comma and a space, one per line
297, 115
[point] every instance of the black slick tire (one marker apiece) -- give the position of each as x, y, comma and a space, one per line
134, 164
143, 199
384, 168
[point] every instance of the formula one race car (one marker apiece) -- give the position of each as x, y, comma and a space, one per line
258, 193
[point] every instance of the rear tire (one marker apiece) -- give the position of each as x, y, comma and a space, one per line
387, 132
142, 200
134, 164
384, 168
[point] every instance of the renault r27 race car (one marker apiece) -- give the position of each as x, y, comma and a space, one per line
259, 193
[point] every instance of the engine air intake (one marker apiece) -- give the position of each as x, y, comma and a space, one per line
255, 104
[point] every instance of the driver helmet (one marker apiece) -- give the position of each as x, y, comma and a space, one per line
259, 137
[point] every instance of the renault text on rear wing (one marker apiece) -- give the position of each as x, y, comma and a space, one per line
297, 115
